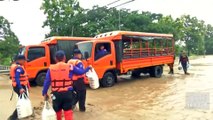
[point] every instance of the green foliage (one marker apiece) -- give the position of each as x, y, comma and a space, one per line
193, 34
66, 17
62, 16
209, 40
8, 42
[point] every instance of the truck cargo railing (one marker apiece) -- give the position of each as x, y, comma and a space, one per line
147, 52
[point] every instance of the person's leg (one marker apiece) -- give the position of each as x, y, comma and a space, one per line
74, 99
68, 114
184, 65
186, 71
82, 100
59, 115
171, 70
57, 104
67, 105
14, 115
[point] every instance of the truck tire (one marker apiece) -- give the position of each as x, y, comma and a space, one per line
108, 79
156, 71
40, 78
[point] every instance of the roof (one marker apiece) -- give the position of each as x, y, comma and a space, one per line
53, 39
120, 33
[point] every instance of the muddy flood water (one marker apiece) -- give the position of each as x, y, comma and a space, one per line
171, 97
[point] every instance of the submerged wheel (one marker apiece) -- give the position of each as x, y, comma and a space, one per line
108, 79
156, 71
40, 79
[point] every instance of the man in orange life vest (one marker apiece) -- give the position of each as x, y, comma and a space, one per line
78, 81
19, 80
59, 76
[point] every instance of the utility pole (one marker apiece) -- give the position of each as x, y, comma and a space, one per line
119, 24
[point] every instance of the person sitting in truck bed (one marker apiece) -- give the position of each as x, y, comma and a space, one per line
101, 52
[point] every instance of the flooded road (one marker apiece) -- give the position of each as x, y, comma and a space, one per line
171, 97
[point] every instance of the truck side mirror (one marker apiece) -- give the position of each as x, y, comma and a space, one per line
86, 55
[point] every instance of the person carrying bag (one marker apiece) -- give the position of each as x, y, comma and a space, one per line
20, 84
24, 107
59, 77
48, 112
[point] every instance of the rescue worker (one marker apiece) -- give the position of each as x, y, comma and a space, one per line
19, 78
59, 77
184, 62
101, 52
78, 81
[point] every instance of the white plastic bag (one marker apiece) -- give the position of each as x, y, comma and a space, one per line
93, 79
180, 67
189, 67
48, 113
24, 107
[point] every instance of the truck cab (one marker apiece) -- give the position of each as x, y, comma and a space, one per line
41, 56
37, 59
104, 65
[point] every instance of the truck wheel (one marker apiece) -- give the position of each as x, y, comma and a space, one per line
40, 79
156, 71
136, 74
108, 80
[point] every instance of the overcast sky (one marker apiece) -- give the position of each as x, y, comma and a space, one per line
27, 18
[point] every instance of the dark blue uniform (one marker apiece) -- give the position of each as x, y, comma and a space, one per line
80, 89
18, 71
184, 61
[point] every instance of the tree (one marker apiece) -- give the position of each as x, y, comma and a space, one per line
62, 17
9, 43
209, 39
193, 34
99, 20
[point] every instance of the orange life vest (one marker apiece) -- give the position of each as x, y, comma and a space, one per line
23, 77
59, 74
74, 62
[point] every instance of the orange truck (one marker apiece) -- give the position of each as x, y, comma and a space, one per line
128, 52
39, 57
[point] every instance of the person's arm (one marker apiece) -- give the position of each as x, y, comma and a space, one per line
18, 72
78, 71
47, 83
80, 65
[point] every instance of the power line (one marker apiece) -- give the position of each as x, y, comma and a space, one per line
124, 3
113, 2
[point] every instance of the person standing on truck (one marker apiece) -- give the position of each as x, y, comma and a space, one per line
101, 52
19, 78
59, 77
78, 81
184, 62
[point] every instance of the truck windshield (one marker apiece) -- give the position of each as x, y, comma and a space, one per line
22, 51
85, 47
